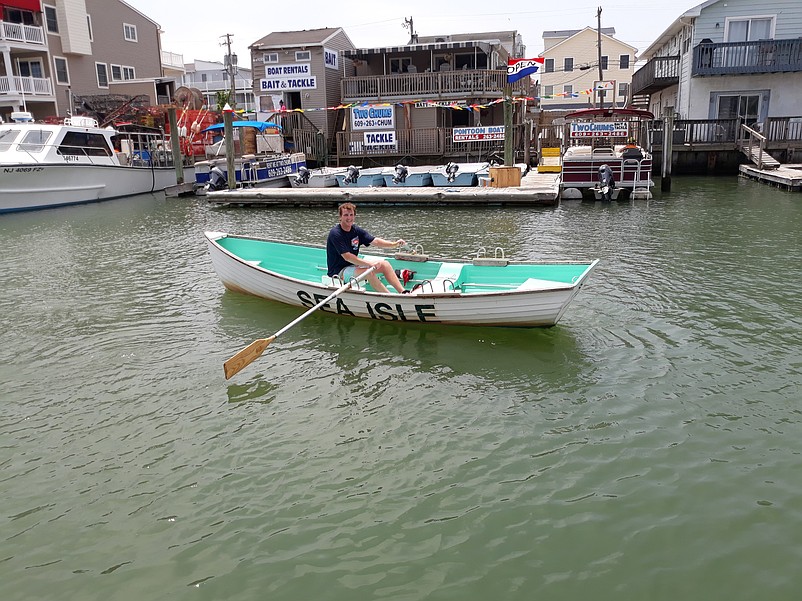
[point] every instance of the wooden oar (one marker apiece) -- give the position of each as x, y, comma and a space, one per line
254, 350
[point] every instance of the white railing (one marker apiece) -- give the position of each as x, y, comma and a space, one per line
31, 86
17, 32
172, 59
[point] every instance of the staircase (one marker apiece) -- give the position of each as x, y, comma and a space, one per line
752, 144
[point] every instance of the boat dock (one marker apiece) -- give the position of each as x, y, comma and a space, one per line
536, 189
786, 177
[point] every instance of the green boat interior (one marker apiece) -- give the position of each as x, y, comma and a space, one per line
308, 263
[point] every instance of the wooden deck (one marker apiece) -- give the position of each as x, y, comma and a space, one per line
536, 189
787, 177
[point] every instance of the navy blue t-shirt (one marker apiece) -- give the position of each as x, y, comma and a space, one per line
340, 242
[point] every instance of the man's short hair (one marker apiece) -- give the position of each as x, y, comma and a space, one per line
346, 205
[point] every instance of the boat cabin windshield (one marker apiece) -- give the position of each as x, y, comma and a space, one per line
84, 144
7, 137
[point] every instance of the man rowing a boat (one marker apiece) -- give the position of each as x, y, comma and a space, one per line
342, 252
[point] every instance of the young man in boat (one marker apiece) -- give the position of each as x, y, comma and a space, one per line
342, 252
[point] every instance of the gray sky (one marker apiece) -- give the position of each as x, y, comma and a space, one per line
195, 28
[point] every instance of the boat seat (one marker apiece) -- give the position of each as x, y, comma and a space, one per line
536, 284
336, 282
445, 281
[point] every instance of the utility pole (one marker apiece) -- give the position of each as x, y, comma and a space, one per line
230, 63
601, 72
407, 24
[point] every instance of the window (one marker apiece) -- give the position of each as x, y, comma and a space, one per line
623, 61
84, 144
568, 90
568, 64
60, 67
604, 62
102, 75
30, 68
623, 89
400, 65
303, 55
129, 32
749, 29
129, 73
548, 90
548, 66
116, 73
89, 26
51, 22
24, 17
739, 106
271, 57
34, 141
7, 138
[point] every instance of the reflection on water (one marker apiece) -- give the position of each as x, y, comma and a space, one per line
645, 447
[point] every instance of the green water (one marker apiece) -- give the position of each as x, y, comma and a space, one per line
648, 447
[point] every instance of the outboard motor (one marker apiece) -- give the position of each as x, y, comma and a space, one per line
401, 173
606, 182
351, 175
217, 179
303, 175
451, 172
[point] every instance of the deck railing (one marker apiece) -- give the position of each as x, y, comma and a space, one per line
31, 86
658, 73
762, 56
429, 142
452, 84
24, 34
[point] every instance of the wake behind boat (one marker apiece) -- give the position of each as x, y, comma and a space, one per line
76, 161
483, 292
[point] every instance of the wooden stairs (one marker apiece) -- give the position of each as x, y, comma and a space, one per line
760, 157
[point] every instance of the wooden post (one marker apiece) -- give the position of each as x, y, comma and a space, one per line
228, 132
508, 134
175, 146
668, 148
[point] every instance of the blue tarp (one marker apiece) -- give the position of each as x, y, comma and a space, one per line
260, 125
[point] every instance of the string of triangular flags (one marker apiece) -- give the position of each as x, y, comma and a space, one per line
421, 103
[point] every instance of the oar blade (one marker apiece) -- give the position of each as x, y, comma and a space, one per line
246, 356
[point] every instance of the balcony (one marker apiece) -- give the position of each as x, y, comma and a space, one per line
747, 58
17, 33
462, 83
25, 86
172, 60
657, 74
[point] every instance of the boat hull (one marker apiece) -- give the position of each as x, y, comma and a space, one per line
413, 180
318, 178
467, 175
540, 306
368, 178
258, 172
42, 186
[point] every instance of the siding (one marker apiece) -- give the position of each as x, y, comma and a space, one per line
787, 13
108, 46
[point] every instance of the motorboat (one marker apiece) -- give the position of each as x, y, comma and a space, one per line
607, 137
77, 161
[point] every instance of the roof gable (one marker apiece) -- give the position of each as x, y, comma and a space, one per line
585, 32
307, 37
